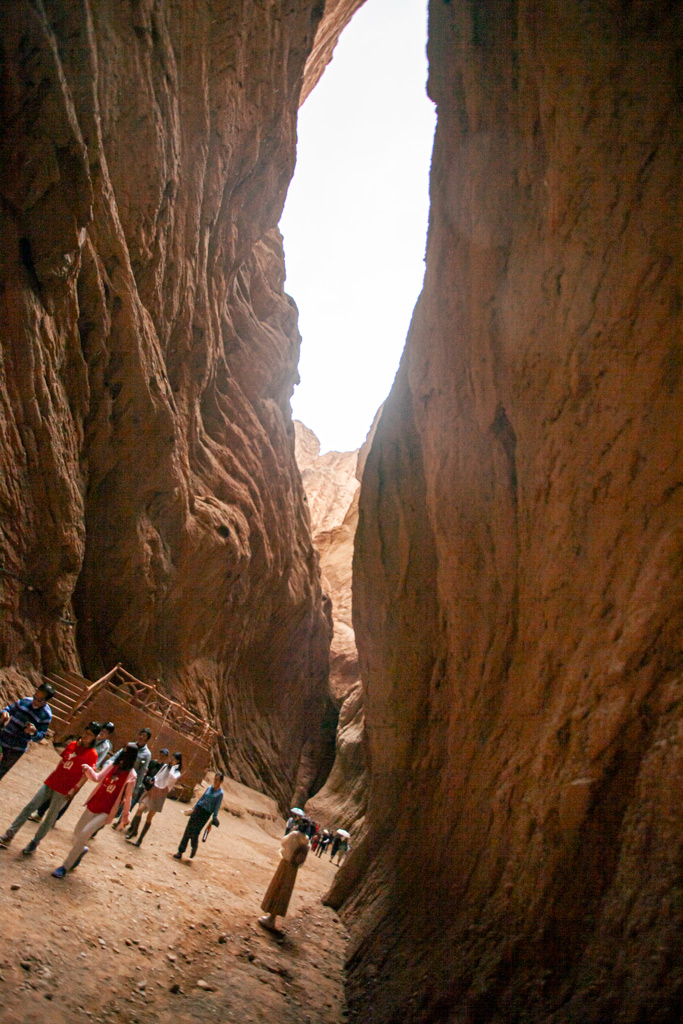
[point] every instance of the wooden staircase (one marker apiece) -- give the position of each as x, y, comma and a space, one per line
69, 689
130, 703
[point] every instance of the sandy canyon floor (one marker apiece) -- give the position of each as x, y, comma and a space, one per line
129, 935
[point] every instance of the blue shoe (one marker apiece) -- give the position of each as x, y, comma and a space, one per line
59, 872
80, 858
30, 848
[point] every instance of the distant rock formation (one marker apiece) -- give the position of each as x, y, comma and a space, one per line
331, 487
332, 483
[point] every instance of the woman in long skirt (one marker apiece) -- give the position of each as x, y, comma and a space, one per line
293, 851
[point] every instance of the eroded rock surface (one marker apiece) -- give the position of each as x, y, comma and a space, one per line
148, 487
518, 574
518, 562
337, 15
331, 484
331, 487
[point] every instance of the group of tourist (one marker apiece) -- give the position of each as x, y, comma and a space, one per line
131, 778
322, 839
123, 780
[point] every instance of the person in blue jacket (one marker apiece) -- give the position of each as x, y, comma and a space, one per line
26, 721
206, 807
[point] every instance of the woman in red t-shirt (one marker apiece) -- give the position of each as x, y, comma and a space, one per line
58, 789
115, 785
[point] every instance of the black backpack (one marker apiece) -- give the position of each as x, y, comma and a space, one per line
152, 769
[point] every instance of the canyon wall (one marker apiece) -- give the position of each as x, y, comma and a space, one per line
337, 16
518, 571
151, 508
518, 574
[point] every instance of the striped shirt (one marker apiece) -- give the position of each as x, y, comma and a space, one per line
21, 713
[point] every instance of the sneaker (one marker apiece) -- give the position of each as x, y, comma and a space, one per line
30, 848
80, 857
178, 856
7, 837
59, 872
192, 853
34, 816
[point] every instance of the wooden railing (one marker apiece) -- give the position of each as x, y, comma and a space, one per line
94, 688
146, 697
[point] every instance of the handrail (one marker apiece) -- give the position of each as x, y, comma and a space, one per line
148, 698
154, 695
94, 688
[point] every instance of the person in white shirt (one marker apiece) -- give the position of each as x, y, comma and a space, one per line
154, 799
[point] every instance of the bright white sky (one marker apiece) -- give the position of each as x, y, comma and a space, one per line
355, 221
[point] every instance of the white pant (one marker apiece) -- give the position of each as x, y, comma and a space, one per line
88, 824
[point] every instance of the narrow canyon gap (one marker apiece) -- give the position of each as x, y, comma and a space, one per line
517, 576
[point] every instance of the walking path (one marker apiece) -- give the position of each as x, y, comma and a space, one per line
131, 934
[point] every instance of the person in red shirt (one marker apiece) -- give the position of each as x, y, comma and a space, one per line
114, 786
59, 787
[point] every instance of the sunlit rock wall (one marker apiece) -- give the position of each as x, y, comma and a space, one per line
331, 482
337, 15
148, 489
518, 576
331, 487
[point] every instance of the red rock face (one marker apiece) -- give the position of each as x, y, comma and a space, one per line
148, 486
519, 567
337, 15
